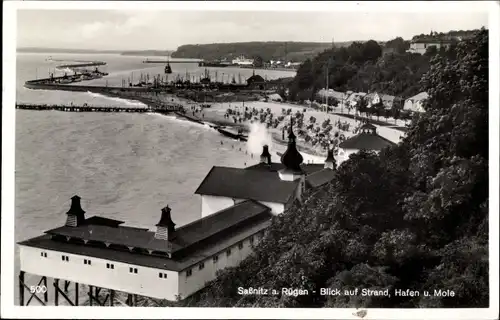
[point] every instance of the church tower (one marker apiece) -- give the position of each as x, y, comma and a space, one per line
291, 159
330, 162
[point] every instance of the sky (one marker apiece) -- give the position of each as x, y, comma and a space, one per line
167, 29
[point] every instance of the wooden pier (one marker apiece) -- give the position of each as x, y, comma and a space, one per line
86, 108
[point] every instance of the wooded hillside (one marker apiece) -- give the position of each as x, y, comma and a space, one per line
362, 67
296, 51
414, 217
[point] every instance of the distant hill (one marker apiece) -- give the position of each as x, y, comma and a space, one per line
92, 51
296, 51
147, 53
63, 50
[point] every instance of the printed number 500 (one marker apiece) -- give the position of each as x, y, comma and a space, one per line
38, 289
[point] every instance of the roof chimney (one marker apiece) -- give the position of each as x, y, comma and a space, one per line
76, 215
265, 157
166, 227
330, 159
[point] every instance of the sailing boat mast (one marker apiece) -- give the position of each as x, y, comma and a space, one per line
326, 93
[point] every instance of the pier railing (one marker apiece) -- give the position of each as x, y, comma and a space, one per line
87, 108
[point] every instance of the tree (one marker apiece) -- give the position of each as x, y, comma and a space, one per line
431, 51
258, 61
422, 225
398, 44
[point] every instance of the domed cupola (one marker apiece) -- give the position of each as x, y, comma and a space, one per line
330, 159
291, 159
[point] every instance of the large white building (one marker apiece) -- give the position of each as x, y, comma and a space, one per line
242, 61
415, 103
367, 139
420, 46
169, 262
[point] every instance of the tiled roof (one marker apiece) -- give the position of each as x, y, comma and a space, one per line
201, 253
191, 243
320, 178
366, 141
419, 96
276, 166
96, 220
256, 185
219, 222
127, 237
182, 238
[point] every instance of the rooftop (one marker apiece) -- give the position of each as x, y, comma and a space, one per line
153, 261
136, 245
366, 141
256, 185
308, 168
320, 178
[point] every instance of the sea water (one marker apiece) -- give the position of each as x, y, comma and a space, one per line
124, 166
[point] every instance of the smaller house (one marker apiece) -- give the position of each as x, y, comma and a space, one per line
372, 98
415, 103
354, 98
375, 98
367, 139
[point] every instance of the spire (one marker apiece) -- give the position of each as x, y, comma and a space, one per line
291, 135
330, 159
292, 159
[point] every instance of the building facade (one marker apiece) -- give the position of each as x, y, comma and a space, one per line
420, 46
415, 103
367, 139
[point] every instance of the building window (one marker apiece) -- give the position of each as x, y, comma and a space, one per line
44, 254
202, 265
132, 270
251, 239
240, 245
228, 252
189, 273
86, 261
65, 258
215, 259
162, 275
110, 266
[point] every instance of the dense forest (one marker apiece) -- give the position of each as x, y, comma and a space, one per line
413, 217
295, 51
364, 67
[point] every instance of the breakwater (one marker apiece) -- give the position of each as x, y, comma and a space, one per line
170, 61
83, 64
42, 84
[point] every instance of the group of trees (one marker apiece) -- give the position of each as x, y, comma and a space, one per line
298, 51
362, 67
413, 217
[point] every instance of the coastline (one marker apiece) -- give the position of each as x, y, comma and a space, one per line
209, 116
214, 116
